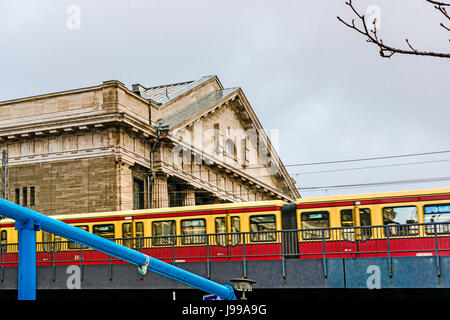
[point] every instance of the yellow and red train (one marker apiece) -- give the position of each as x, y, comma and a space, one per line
394, 223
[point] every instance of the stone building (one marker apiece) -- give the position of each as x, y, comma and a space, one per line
107, 148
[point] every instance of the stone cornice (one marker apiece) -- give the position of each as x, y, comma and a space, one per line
78, 122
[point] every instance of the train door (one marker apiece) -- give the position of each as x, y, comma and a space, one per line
289, 230
133, 234
227, 236
356, 229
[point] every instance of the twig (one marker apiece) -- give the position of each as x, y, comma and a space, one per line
387, 51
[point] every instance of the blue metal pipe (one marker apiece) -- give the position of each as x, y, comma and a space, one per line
32, 218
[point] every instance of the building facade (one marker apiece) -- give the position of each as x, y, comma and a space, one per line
108, 148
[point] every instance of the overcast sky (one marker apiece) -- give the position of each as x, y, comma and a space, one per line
327, 91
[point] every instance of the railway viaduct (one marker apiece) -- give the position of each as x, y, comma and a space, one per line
284, 279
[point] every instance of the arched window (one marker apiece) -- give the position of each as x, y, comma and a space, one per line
230, 148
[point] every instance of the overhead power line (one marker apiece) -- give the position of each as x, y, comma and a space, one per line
375, 183
367, 159
370, 167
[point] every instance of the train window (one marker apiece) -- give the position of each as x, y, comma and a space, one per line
437, 213
397, 219
104, 230
221, 239
235, 228
139, 242
139, 229
3, 241
76, 245
315, 220
348, 233
46, 236
47, 241
259, 225
191, 231
163, 232
347, 218
126, 230
365, 221
127, 233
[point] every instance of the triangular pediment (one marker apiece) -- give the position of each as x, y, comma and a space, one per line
223, 126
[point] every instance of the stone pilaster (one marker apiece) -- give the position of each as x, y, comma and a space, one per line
189, 197
160, 195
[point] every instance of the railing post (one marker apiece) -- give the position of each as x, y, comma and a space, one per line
244, 256
173, 249
386, 232
81, 262
283, 262
324, 258
3, 267
436, 245
207, 257
53, 261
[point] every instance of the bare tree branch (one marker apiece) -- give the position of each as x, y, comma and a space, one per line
441, 7
387, 51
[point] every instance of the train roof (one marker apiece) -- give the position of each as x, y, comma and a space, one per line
378, 195
141, 212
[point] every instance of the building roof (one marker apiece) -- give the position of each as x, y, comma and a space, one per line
162, 94
195, 108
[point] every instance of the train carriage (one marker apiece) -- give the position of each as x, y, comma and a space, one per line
178, 234
407, 223
397, 223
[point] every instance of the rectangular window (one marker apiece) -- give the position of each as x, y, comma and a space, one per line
4, 241
221, 239
104, 230
193, 231
138, 194
312, 222
32, 196
261, 225
25, 196
47, 239
140, 241
139, 229
235, 228
437, 213
127, 232
218, 139
75, 245
17, 196
163, 232
348, 233
347, 218
245, 151
397, 219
